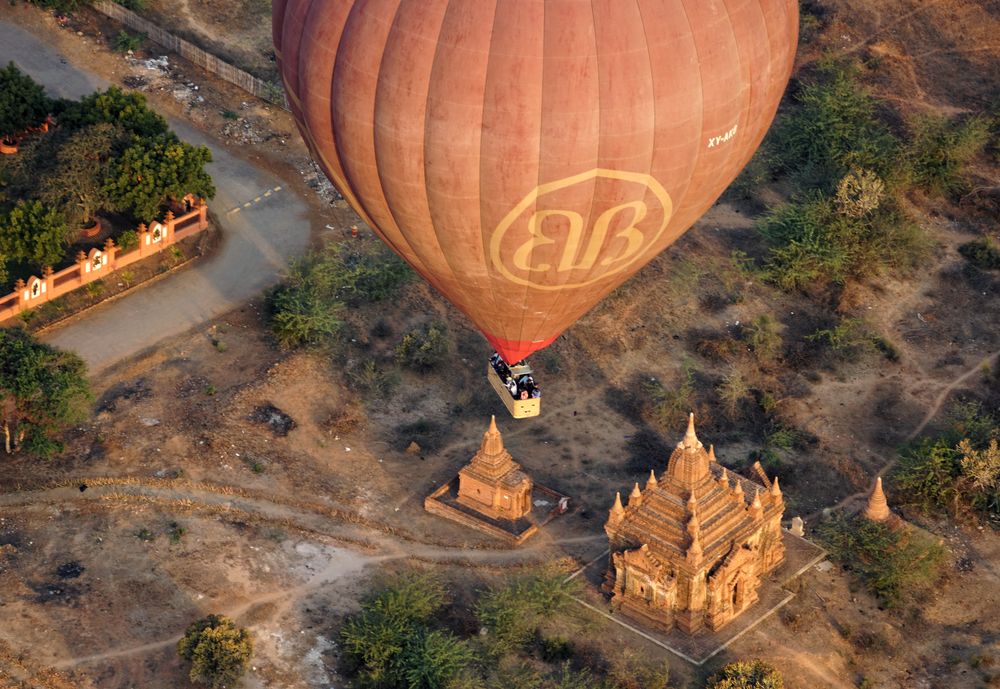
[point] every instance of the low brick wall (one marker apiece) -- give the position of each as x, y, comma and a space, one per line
99, 263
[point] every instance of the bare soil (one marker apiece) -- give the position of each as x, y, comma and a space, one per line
285, 524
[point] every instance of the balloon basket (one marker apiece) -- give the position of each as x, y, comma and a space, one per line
519, 409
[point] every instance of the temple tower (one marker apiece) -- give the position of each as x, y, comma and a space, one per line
689, 550
493, 483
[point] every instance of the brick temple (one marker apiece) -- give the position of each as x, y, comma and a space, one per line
689, 551
493, 483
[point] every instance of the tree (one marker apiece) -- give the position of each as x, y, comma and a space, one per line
151, 170
23, 103
747, 674
76, 185
127, 110
34, 233
217, 650
42, 391
392, 644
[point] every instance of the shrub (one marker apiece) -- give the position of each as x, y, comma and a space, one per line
667, 406
632, 671
127, 240
424, 348
927, 474
940, 150
762, 337
747, 674
833, 129
813, 244
896, 564
983, 253
365, 272
217, 650
125, 42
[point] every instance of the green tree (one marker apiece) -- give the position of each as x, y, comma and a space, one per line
23, 103
747, 674
151, 170
76, 184
34, 233
126, 109
391, 643
217, 650
43, 390
303, 310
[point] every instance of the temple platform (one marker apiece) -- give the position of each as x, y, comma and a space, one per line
545, 507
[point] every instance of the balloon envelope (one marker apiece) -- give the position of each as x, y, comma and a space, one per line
528, 156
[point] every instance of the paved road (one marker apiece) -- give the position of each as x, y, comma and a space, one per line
256, 241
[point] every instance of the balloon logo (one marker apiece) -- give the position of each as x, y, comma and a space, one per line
541, 235
526, 157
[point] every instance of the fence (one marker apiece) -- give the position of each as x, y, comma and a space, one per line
98, 264
248, 82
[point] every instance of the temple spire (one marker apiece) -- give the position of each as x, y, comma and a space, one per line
691, 438
775, 489
711, 453
635, 497
724, 479
492, 441
756, 508
617, 510
651, 481
877, 508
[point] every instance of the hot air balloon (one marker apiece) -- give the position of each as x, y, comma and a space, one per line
526, 157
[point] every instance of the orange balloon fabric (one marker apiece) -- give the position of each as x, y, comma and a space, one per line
526, 157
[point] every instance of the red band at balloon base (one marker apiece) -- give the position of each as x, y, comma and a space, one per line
513, 351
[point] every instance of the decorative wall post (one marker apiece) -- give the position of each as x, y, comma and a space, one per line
202, 214
47, 276
82, 263
144, 239
111, 252
22, 294
168, 230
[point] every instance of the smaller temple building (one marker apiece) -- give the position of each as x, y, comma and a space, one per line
493, 483
494, 495
690, 549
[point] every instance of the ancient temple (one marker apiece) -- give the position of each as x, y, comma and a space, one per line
877, 507
493, 483
689, 550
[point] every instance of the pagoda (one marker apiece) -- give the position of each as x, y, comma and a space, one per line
689, 550
492, 483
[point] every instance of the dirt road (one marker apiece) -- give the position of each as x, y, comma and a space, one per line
257, 241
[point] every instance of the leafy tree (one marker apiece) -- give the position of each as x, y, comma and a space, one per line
151, 170
303, 311
217, 650
42, 391
981, 474
306, 309
512, 613
23, 103
127, 109
392, 644
76, 184
747, 674
34, 233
